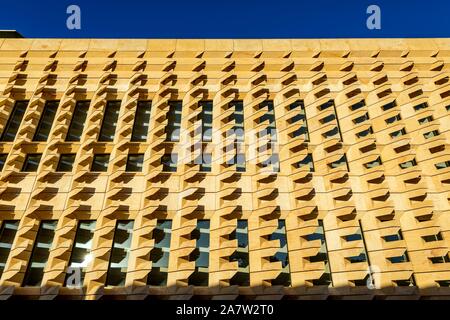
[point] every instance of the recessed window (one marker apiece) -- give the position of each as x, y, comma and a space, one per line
206, 119
338, 163
268, 117
281, 255
358, 105
399, 259
46, 121
141, 121
421, 106
13, 124
373, 164
241, 255
239, 160
433, 237
389, 106
398, 133
100, 163
326, 105
173, 121
408, 164
307, 161
31, 163
205, 166
431, 134
81, 256
78, 119
353, 237
393, 119
8, 230
200, 255
356, 259
65, 163
135, 162
3, 157
364, 133
169, 162
442, 165
426, 120
440, 259
109, 123
393, 237
39, 254
361, 119
327, 119
120, 251
159, 255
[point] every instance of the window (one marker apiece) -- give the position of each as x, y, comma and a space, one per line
398, 133
364, 133
421, 106
241, 255
269, 117
301, 116
240, 162
393, 119
442, 165
173, 121
206, 118
405, 283
393, 237
331, 133
100, 163
281, 255
327, 119
141, 121
81, 254
8, 232
274, 161
389, 106
433, 237
443, 283
425, 120
442, 259
78, 119
326, 105
321, 256
159, 256
408, 164
118, 262
205, 165
13, 124
109, 123
46, 121
338, 163
373, 164
65, 163
431, 134
307, 161
40, 253
361, 119
353, 237
3, 157
399, 259
135, 162
358, 105
169, 162
31, 162
356, 259
238, 119
200, 254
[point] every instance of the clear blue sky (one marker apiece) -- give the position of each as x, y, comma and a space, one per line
227, 19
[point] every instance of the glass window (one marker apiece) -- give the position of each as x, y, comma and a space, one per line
169, 162
399, 259
109, 123
65, 163
269, 117
358, 105
100, 163
3, 157
431, 134
421, 106
241, 255
307, 161
393, 119
206, 118
408, 164
200, 255
8, 232
356, 259
13, 124
389, 106
433, 237
321, 256
120, 251
81, 253
426, 120
78, 119
46, 121
31, 162
173, 121
205, 166
159, 255
281, 255
40, 253
141, 121
238, 118
393, 237
135, 162
373, 164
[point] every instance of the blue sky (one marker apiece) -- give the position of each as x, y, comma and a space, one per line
227, 19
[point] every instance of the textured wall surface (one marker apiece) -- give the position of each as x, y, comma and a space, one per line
374, 200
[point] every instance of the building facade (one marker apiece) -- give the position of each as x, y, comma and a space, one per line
233, 169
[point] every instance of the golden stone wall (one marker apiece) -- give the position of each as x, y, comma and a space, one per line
381, 200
